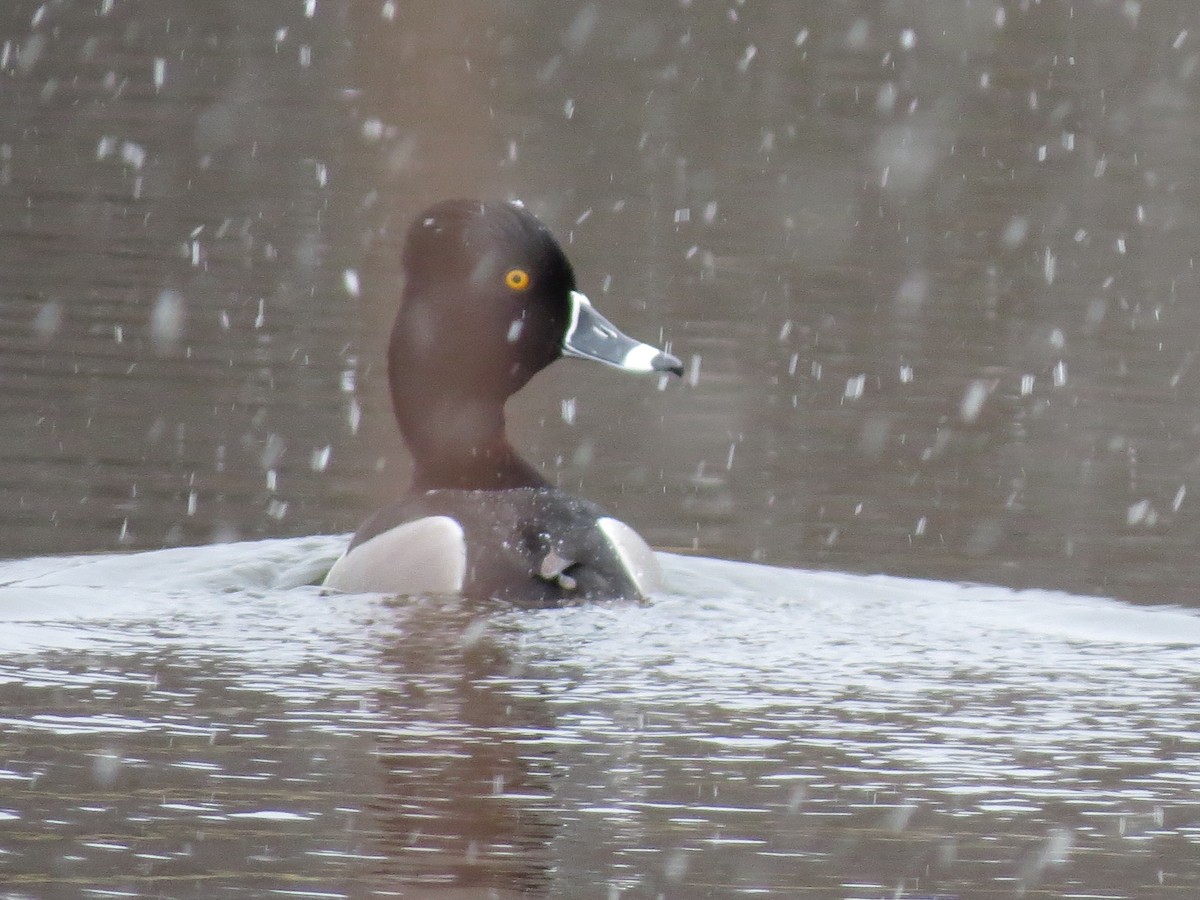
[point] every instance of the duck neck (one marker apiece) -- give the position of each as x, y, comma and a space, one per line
459, 443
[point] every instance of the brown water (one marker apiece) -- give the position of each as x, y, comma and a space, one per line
931, 265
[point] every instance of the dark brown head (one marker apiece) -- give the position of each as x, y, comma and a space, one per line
489, 301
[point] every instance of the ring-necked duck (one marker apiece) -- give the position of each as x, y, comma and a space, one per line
490, 300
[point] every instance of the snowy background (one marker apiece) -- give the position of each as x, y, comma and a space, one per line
931, 265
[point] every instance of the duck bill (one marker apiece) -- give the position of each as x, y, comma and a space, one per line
591, 336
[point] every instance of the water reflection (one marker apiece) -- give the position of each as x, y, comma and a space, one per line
469, 794
851, 737
191, 725
962, 744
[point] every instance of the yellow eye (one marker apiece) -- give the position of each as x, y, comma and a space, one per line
517, 279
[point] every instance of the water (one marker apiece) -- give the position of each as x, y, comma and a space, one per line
931, 267
197, 722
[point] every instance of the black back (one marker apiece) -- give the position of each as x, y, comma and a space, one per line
529, 546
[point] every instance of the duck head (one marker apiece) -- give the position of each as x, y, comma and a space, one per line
489, 300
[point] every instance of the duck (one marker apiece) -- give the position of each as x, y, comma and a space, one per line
490, 300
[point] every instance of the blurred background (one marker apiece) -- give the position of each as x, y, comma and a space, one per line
930, 263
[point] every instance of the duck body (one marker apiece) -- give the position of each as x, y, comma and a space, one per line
527, 546
489, 301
